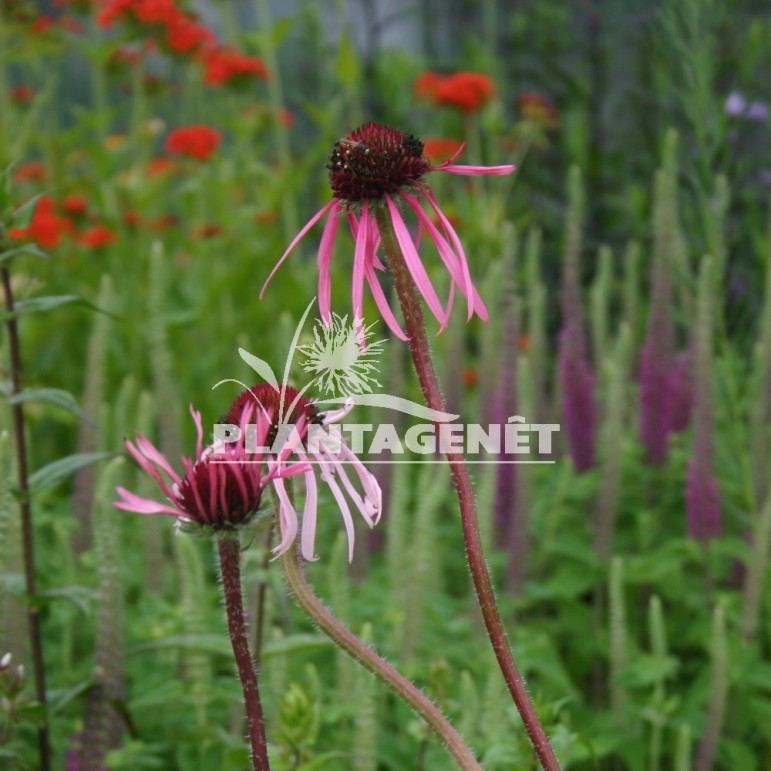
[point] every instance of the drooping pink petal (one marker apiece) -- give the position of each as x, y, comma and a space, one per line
150, 452
311, 222
353, 493
324, 259
382, 304
414, 264
478, 171
150, 469
308, 534
198, 429
359, 265
449, 231
287, 518
455, 264
139, 505
341, 502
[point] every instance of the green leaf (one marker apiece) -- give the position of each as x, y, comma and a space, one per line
57, 700
55, 396
42, 304
26, 249
23, 215
347, 67
79, 596
53, 473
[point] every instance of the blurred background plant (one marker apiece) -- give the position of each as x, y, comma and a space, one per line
175, 152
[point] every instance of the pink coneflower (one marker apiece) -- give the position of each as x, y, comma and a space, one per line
282, 408
220, 493
379, 166
224, 484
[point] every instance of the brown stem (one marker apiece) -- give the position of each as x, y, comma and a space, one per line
421, 357
230, 556
33, 620
354, 647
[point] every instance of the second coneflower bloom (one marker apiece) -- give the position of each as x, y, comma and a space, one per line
379, 166
285, 420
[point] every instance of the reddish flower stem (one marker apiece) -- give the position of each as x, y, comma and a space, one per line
230, 557
421, 357
28, 550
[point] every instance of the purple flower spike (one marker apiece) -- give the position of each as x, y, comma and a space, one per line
577, 384
655, 402
702, 503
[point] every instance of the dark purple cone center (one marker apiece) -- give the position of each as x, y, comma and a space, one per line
373, 161
225, 511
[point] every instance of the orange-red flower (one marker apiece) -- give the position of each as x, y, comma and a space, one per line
225, 65
22, 94
538, 109
46, 227
470, 377
203, 232
465, 91
160, 167
75, 205
41, 26
184, 35
131, 219
34, 171
96, 237
439, 150
426, 86
197, 142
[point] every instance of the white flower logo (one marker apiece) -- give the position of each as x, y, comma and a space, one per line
342, 358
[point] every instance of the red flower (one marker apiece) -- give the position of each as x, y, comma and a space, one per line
22, 94
225, 65
75, 205
46, 227
97, 237
439, 150
41, 25
465, 91
426, 86
205, 231
285, 117
161, 223
470, 377
184, 36
159, 167
131, 219
538, 109
34, 171
198, 142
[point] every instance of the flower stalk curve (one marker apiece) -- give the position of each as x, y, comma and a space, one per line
354, 647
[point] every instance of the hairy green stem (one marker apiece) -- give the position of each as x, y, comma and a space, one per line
421, 357
353, 646
28, 548
230, 556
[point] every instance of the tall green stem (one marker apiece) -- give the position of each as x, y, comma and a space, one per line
310, 603
28, 550
421, 357
230, 557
